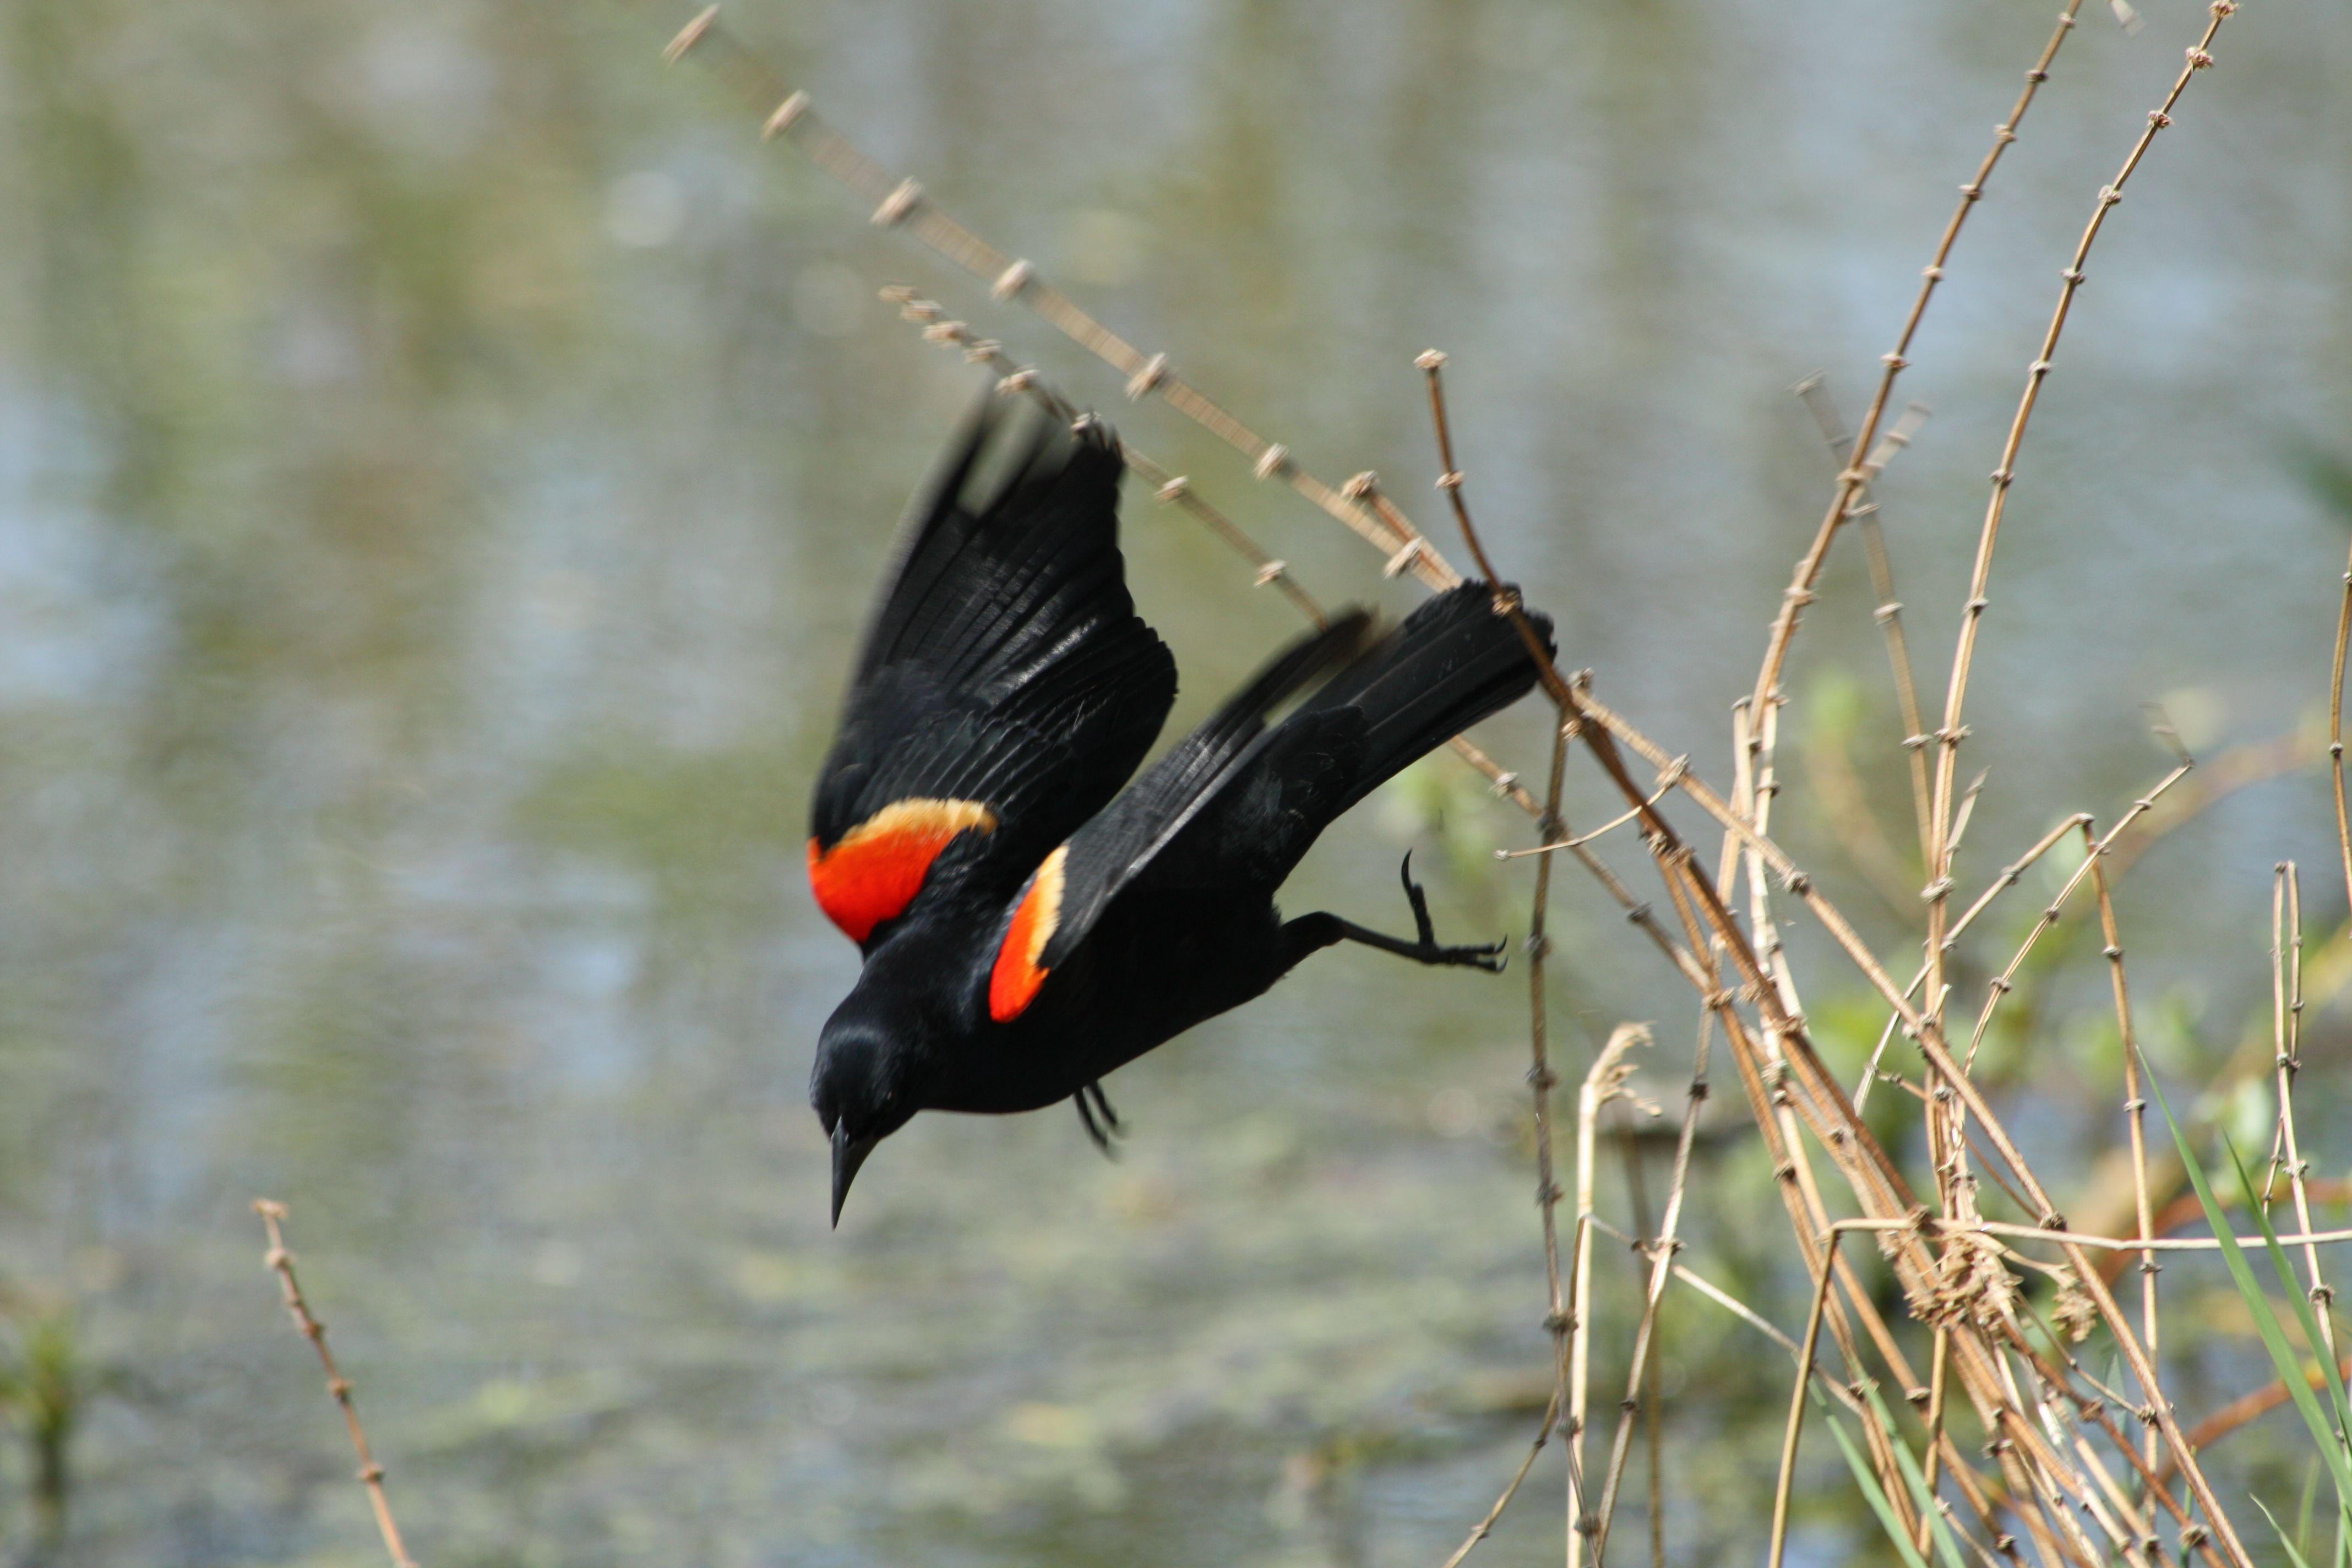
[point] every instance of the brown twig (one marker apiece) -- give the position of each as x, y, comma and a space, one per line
2287, 968
1877, 1182
2218, 778
2248, 1407
1785, 1483
280, 1262
1604, 1082
2006, 982
1800, 591
1863, 511
1951, 732
2336, 727
1486, 1527
2135, 1107
901, 202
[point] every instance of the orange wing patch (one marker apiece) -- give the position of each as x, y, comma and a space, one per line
1013, 984
874, 872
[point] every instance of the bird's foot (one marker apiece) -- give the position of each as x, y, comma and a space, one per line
1426, 947
1102, 1123
1487, 956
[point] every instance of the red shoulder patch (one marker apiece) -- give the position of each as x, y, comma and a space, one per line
874, 872
1013, 984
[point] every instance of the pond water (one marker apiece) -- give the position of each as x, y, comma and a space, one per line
444, 458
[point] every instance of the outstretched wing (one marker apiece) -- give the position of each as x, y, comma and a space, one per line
1237, 804
1006, 687
1079, 877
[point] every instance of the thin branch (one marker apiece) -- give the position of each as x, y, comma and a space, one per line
2006, 981
1879, 1182
2287, 968
2135, 1110
1863, 511
2248, 1407
900, 203
1786, 1481
1604, 1082
1486, 1527
1800, 591
2336, 727
1951, 732
280, 1262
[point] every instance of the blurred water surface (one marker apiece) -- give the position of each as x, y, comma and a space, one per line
443, 458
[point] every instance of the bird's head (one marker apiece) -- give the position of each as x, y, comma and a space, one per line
865, 1083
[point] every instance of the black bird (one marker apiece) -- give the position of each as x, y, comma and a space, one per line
1027, 925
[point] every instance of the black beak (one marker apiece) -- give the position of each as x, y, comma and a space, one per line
848, 1154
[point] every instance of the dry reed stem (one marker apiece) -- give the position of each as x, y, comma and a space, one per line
2248, 1407
1800, 591
1863, 511
1660, 1252
1603, 1083
1784, 1484
2094, 1411
1541, 1080
1431, 365
2135, 1110
1950, 733
2009, 876
1775, 1115
1486, 1527
280, 1262
1754, 767
1934, 1227
1875, 1181
2002, 985
1938, 1386
1167, 487
2286, 970
901, 202
1765, 693
2218, 778
2190, 1209
1737, 1309
2336, 727
1569, 1373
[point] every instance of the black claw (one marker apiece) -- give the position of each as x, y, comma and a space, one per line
1423, 930
1488, 957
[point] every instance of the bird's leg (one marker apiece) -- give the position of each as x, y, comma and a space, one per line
1103, 1107
1425, 947
1095, 1130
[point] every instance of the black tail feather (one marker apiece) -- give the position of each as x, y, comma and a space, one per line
1453, 662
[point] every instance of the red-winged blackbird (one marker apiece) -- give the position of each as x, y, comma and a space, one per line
1028, 925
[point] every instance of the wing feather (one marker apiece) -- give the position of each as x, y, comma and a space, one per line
1004, 677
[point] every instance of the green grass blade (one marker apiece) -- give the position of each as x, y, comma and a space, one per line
1946, 1547
1864, 1478
2258, 1305
2311, 1337
2292, 1554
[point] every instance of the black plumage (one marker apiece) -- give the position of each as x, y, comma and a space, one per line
1028, 925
